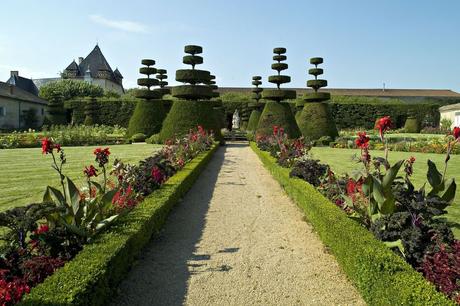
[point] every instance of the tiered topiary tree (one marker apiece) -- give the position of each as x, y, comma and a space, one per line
161, 77
91, 111
56, 113
276, 112
316, 120
193, 107
256, 106
149, 113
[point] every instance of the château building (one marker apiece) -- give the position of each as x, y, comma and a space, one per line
93, 69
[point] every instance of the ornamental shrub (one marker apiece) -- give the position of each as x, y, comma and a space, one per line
412, 125
276, 112
193, 107
149, 113
316, 120
257, 106
139, 137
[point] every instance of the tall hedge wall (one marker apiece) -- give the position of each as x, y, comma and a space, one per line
350, 115
111, 111
364, 115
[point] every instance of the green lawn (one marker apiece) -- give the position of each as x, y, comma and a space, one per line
340, 161
27, 172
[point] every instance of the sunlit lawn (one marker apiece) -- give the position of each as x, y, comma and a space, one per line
26, 172
341, 162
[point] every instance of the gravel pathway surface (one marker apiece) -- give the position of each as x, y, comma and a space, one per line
236, 239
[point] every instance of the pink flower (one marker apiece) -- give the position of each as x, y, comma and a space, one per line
158, 177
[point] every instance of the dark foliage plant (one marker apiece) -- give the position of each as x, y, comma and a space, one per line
309, 170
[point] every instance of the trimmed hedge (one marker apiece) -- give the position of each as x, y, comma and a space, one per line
111, 111
147, 118
93, 275
279, 114
253, 120
185, 115
382, 277
362, 115
316, 120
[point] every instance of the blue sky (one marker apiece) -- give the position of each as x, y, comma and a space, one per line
406, 44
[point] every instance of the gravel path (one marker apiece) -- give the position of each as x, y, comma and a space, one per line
236, 239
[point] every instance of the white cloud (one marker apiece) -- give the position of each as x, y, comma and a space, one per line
124, 25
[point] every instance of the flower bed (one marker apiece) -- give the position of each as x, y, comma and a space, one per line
65, 135
387, 204
92, 276
381, 277
41, 237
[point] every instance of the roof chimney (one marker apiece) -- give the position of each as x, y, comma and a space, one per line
14, 73
80, 59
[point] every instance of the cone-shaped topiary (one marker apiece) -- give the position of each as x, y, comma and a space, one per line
56, 112
412, 125
149, 113
91, 111
275, 112
194, 107
316, 120
256, 106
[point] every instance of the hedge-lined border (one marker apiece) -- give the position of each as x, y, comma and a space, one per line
382, 277
94, 274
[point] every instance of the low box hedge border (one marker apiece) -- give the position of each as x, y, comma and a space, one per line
94, 274
382, 277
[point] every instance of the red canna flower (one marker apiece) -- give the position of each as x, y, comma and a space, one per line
275, 130
362, 141
102, 156
383, 124
57, 147
90, 171
47, 145
456, 133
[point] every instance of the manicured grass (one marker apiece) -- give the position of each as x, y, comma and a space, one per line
27, 172
341, 161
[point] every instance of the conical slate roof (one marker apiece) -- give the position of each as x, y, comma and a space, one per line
73, 66
95, 62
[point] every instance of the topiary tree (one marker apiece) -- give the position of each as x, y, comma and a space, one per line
412, 125
316, 120
256, 106
193, 107
91, 111
149, 113
161, 77
275, 112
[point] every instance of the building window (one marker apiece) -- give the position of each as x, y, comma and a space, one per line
2, 111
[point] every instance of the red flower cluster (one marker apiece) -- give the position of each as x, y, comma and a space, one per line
124, 199
90, 171
202, 131
102, 156
11, 292
362, 141
48, 146
383, 124
354, 188
456, 133
157, 176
